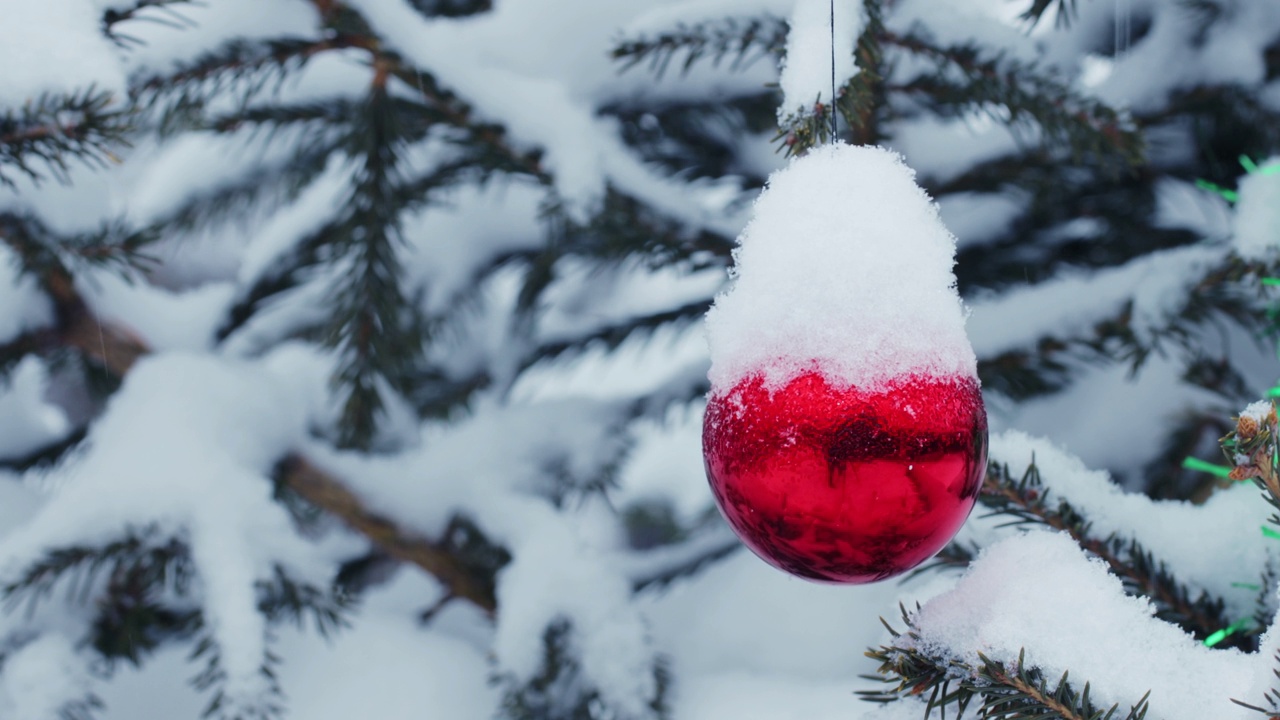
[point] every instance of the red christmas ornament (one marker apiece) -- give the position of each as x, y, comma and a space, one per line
845, 485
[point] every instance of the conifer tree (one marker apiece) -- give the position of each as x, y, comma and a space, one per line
305, 376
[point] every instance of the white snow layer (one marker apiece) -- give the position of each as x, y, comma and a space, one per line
185, 447
41, 678
845, 267
1257, 410
23, 306
1210, 546
27, 420
822, 33
1157, 284
56, 48
582, 149
1257, 218
493, 468
1023, 591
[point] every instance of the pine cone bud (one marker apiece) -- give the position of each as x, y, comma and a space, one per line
1243, 472
1246, 428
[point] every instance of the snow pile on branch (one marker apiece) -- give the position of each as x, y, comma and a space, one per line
41, 679
1155, 287
28, 421
814, 35
185, 448
22, 306
844, 267
1257, 220
1204, 560
1020, 594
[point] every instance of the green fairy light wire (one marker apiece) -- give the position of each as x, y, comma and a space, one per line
1250, 167
1243, 623
1233, 196
1223, 471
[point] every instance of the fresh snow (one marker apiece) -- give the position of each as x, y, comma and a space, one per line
188, 443
845, 267
1156, 286
28, 421
55, 47
1257, 219
213, 430
1209, 544
41, 677
23, 307
1025, 591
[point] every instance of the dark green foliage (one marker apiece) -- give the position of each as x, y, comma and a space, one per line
560, 692
742, 40
652, 524
479, 555
375, 320
141, 587
155, 11
243, 68
1026, 501
861, 101
697, 139
81, 567
45, 135
375, 338
1065, 10
41, 250
1003, 691
451, 8
85, 708
966, 78
212, 679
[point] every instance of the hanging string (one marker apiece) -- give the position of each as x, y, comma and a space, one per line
1123, 35
832, 108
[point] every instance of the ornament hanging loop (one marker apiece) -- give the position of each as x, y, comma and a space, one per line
832, 105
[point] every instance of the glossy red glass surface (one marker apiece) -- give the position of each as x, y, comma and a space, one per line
845, 486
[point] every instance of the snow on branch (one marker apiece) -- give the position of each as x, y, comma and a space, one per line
999, 634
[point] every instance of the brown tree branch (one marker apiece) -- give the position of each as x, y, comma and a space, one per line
118, 350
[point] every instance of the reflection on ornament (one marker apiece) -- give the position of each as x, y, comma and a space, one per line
844, 485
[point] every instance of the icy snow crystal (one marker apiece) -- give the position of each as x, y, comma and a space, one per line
844, 267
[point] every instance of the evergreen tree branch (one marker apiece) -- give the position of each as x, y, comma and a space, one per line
451, 8
118, 350
744, 40
269, 184
857, 101
561, 690
1062, 18
1005, 691
1049, 364
46, 133
156, 11
316, 486
965, 78
1027, 501
249, 67
612, 336
375, 342
212, 679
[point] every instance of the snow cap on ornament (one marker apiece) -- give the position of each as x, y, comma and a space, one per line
845, 268
845, 436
